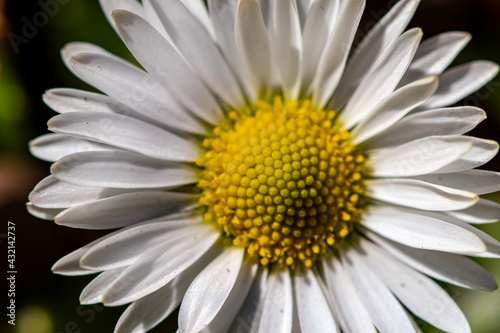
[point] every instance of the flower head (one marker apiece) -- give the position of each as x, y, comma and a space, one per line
265, 177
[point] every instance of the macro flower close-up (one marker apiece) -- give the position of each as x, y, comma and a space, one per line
263, 172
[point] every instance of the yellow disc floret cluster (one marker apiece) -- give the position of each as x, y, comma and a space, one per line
283, 181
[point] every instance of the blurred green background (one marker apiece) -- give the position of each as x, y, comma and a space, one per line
48, 303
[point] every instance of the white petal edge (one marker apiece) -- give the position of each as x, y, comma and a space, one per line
418, 293
209, 291
421, 231
118, 169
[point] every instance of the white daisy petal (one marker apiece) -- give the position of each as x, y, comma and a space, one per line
394, 107
210, 290
123, 210
70, 264
167, 66
477, 181
435, 54
42, 213
135, 88
108, 6
255, 48
189, 35
421, 231
52, 193
123, 248
314, 313
63, 100
288, 46
72, 49
492, 245
199, 10
52, 147
386, 312
320, 20
352, 313
127, 133
121, 170
447, 267
448, 121
459, 82
250, 312
159, 266
223, 13
419, 294
145, 313
482, 152
278, 304
421, 195
96, 289
236, 298
383, 79
303, 7
333, 59
420, 157
372, 47
484, 211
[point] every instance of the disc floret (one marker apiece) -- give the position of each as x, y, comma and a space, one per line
282, 180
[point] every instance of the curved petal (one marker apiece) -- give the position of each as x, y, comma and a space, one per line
210, 290
386, 312
321, 18
190, 36
223, 15
96, 289
383, 78
163, 61
482, 152
435, 54
126, 133
254, 48
42, 213
234, 301
394, 107
459, 82
250, 312
313, 310
418, 293
135, 88
447, 267
53, 147
477, 181
372, 48
421, 195
118, 169
448, 121
334, 57
278, 304
52, 193
484, 211
123, 210
123, 248
421, 231
159, 266
352, 313
287, 41
63, 100
420, 157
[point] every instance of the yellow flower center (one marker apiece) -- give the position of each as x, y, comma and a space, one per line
283, 181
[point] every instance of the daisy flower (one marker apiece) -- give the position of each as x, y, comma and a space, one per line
267, 178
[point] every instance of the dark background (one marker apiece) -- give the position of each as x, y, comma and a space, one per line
49, 303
